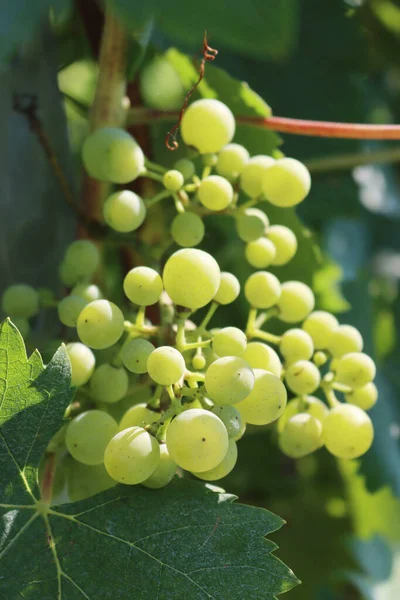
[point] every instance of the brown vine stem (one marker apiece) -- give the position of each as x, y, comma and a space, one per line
46, 488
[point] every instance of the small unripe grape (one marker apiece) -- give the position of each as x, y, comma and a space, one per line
69, 309
303, 377
164, 471
229, 341
100, 324
229, 380
187, 229
198, 362
295, 302
109, 384
295, 345
208, 125
252, 174
347, 431
82, 362
251, 224
307, 404
166, 365
83, 257
267, 400
285, 243
286, 182
301, 436
320, 325
344, 339
262, 356
143, 286
215, 192
223, 468
262, 289
209, 160
260, 253
160, 85
231, 160
364, 397
355, 369
20, 300
135, 354
173, 180
186, 167
124, 211
87, 291
229, 289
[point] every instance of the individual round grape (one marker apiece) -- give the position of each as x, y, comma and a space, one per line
344, 339
160, 85
260, 253
231, 160
224, 467
135, 354
82, 363
197, 440
173, 180
229, 380
364, 397
303, 377
84, 481
347, 431
84, 257
229, 341
296, 344
69, 309
131, 456
164, 472
251, 224
191, 278
229, 289
295, 302
138, 416
355, 369
100, 324
87, 291
262, 289
320, 325
143, 286
301, 436
186, 167
208, 125
307, 404
286, 182
20, 300
124, 211
88, 434
215, 193
267, 400
22, 325
231, 418
262, 356
67, 274
252, 173
111, 154
166, 365
109, 384
187, 229
285, 243
198, 362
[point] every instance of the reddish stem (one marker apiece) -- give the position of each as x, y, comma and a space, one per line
46, 489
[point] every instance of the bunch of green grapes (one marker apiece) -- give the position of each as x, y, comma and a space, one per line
156, 396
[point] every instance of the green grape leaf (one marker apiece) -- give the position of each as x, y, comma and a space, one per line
187, 540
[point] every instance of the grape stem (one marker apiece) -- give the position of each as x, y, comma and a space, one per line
340, 387
181, 343
178, 204
253, 330
158, 197
154, 166
265, 316
210, 313
330, 396
151, 175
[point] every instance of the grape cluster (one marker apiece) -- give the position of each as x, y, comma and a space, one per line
204, 384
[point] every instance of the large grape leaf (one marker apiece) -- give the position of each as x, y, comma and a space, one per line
183, 541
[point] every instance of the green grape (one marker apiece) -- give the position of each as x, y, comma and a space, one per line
69, 309
187, 229
83, 257
251, 224
261, 356
231, 160
186, 167
109, 384
67, 274
286, 182
241, 432
344, 339
262, 289
143, 286
267, 400
320, 325
348, 431
82, 363
138, 416
296, 344
199, 362
306, 404
285, 243
364, 397
224, 467
355, 369
229, 289
229, 380
231, 418
173, 180
215, 193
260, 253
320, 358
252, 174
135, 354
20, 300
295, 302
166, 365
197, 440
111, 154
303, 377
100, 324
164, 472
84, 481
87, 291
301, 436
208, 125
191, 278
22, 325
88, 434
229, 341
131, 456
124, 211
160, 85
